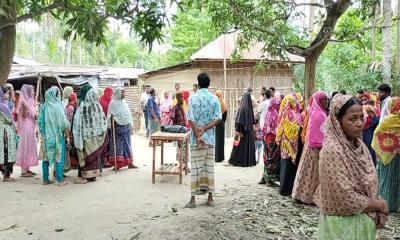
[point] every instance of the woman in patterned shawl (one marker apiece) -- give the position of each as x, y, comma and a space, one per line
287, 137
120, 113
53, 124
348, 192
271, 149
8, 138
387, 146
306, 181
90, 127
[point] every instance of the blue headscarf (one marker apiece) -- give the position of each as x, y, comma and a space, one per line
52, 123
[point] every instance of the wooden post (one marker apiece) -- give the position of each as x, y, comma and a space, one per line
187, 156
180, 161
154, 165
162, 152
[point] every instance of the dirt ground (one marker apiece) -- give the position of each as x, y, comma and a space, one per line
127, 206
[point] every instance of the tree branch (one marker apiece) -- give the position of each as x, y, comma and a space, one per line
49, 8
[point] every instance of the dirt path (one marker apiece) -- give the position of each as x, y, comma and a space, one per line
127, 206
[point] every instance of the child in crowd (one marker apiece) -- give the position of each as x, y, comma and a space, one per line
258, 138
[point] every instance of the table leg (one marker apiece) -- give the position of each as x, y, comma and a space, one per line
180, 162
154, 164
187, 157
162, 152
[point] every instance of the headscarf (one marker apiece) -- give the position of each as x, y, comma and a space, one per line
300, 101
386, 141
120, 110
52, 123
347, 174
305, 116
85, 89
289, 127
105, 100
220, 95
245, 114
66, 94
185, 104
89, 120
73, 100
271, 120
165, 103
4, 104
318, 116
27, 99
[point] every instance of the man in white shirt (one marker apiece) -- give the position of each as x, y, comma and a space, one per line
384, 95
263, 107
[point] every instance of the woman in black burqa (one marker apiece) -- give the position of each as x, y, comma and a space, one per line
243, 155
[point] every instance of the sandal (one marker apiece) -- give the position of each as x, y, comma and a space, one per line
34, 174
190, 205
132, 166
8, 179
47, 182
210, 203
80, 181
63, 183
27, 175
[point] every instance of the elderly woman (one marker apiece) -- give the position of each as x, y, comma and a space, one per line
66, 95
54, 127
306, 181
348, 192
8, 138
119, 120
165, 109
89, 130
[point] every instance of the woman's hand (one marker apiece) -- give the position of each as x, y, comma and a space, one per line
381, 220
239, 134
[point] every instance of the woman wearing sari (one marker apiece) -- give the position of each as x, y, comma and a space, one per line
27, 154
287, 137
121, 151
244, 154
106, 99
272, 153
71, 109
387, 147
348, 192
306, 182
220, 130
90, 127
8, 138
53, 126
165, 109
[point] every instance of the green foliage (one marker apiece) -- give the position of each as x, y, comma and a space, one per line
192, 30
89, 19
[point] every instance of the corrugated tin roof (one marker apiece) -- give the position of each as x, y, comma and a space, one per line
19, 70
225, 45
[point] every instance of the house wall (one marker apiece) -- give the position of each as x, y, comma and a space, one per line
239, 77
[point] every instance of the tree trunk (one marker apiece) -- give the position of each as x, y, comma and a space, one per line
387, 40
309, 77
7, 49
374, 31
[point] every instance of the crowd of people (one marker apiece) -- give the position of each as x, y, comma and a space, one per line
87, 133
341, 152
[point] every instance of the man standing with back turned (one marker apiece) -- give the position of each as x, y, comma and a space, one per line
204, 114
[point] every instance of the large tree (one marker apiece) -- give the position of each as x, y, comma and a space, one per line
273, 22
86, 18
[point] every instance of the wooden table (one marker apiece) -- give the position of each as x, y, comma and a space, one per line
170, 168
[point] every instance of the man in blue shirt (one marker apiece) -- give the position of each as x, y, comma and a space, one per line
204, 114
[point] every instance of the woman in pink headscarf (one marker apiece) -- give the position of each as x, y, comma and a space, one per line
105, 100
165, 108
306, 182
27, 154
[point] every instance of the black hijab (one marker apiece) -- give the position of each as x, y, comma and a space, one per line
245, 114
